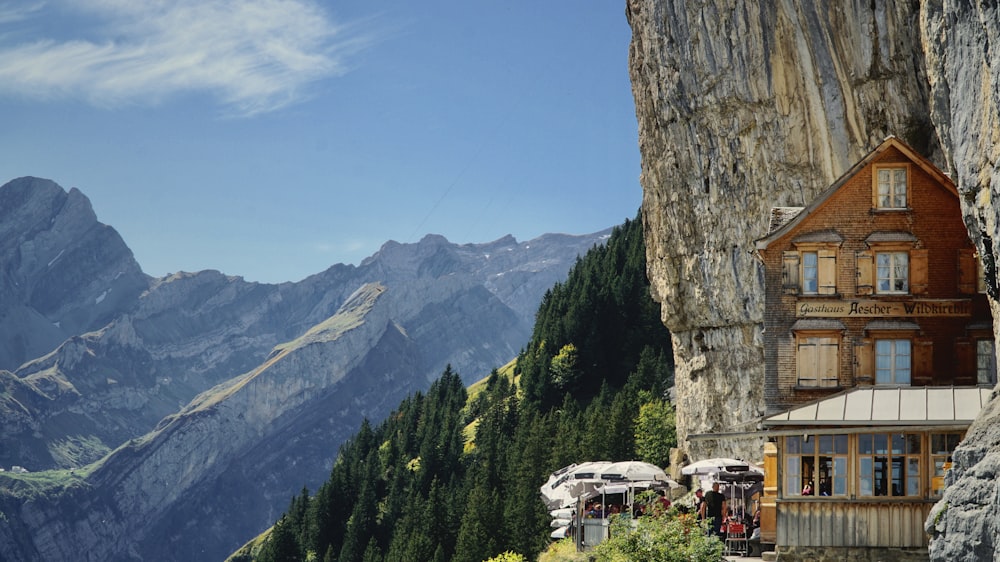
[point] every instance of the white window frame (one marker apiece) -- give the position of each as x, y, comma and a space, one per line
887, 357
890, 192
810, 272
892, 272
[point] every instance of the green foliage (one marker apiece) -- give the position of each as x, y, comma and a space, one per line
508, 557
563, 368
449, 477
605, 311
669, 538
655, 432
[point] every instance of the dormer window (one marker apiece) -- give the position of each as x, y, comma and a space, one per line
890, 187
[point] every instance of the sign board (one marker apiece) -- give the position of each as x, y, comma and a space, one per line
870, 308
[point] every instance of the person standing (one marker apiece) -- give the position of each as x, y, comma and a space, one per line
713, 508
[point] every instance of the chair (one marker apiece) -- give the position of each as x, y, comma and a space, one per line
736, 538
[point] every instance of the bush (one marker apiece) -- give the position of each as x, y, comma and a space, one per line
669, 538
507, 557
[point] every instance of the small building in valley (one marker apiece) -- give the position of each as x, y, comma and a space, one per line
879, 353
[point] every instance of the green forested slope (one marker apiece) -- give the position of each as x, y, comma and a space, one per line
591, 386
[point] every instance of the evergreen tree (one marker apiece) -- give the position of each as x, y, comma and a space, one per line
591, 385
282, 545
477, 536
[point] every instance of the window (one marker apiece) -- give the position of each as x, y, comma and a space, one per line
986, 362
892, 361
889, 464
942, 447
815, 465
892, 272
810, 273
817, 360
890, 188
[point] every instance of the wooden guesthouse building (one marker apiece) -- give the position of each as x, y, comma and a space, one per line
879, 353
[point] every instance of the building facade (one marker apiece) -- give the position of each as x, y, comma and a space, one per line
878, 354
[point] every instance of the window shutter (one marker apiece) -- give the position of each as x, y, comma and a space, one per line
968, 271
828, 355
827, 274
790, 273
807, 362
865, 264
863, 361
923, 361
965, 358
918, 271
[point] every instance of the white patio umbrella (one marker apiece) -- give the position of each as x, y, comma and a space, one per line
554, 491
563, 486
633, 471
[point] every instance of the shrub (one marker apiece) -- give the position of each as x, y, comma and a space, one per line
668, 538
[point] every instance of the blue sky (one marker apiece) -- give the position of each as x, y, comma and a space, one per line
274, 138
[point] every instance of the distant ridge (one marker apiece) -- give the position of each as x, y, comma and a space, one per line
207, 387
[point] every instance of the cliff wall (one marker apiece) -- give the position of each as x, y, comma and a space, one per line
743, 106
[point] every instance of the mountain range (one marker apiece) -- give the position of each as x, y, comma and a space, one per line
181, 413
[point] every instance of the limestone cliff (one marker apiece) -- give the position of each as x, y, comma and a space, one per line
743, 106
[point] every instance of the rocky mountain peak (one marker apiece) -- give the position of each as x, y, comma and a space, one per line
217, 398
62, 271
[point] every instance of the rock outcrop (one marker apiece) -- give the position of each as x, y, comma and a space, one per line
61, 272
744, 106
220, 398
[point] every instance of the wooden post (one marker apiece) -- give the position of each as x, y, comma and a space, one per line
768, 507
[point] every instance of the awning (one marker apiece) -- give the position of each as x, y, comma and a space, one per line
898, 406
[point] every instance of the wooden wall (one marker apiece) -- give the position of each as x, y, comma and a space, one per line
833, 523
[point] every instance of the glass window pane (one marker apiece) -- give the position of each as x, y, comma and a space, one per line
881, 443
913, 477
865, 476
792, 486
897, 443
809, 444
826, 444
840, 476
912, 444
865, 444
897, 476
840, 444
953, 440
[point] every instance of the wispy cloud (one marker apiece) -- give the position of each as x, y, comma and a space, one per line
253, 55
10, 13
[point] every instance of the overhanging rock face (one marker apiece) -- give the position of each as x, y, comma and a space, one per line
745, 106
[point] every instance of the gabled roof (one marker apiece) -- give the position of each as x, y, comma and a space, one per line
784, 219
875, 406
